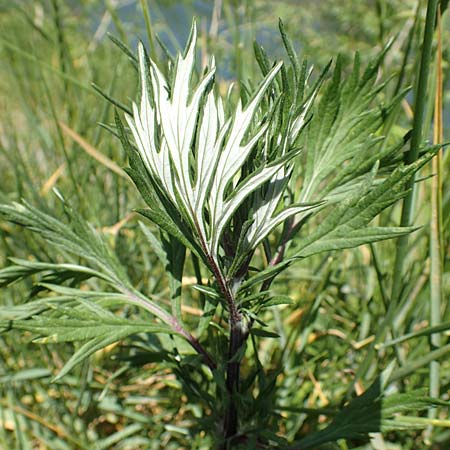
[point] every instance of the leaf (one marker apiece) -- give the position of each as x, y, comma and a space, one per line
347, 225
25, 268
263, 333
232, 158
161, 212
261, 58
209, 311
242, 192
208, 291
25, 311
342, 140
263, 299
246, 300
194, 187
155, 244
425, 332
166, 223
265, 274
25, 375
276, 301
103, 297
177, 119
289, 115
79, 239
372, 412
176, 254
264, 225
172, 254
124, 48
110, 99
82, 240
289, 50
127, 295
337, 241
90, 323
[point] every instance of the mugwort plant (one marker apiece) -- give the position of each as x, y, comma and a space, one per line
238, 189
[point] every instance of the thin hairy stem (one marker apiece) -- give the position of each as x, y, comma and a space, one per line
230, 425
173, 323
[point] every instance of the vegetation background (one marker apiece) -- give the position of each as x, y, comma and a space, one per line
124, 397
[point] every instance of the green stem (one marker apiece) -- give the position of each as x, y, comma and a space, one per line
170, 320
413, 153
149, 28
376, 265
435, 235
413, 366
407, 207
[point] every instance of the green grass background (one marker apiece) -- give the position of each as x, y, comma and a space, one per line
51, 52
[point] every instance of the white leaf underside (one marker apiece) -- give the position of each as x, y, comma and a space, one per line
194, 152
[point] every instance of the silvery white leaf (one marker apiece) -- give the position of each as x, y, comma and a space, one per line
243, 191
234, 154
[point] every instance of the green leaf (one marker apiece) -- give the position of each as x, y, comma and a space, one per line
172, 254
110, 99
166, 223
27, 310
249, 299
372, 412
276, 301
347, 225
261, 58
125, 49
25, 375
209, 309
265, 274
88, 322
425, 332
289, 50
208, 291
155, 244
263, 333
342, 141
79, 239
24, 268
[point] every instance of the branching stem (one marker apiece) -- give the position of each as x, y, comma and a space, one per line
278, 256
230, 424
173, 323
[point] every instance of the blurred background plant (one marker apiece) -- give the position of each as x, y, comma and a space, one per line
126, 395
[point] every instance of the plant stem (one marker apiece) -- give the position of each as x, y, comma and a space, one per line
435, 233
413, 153
172, 322
230, 424
407, 207
149, 28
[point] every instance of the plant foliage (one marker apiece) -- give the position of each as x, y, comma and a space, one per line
241, 190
